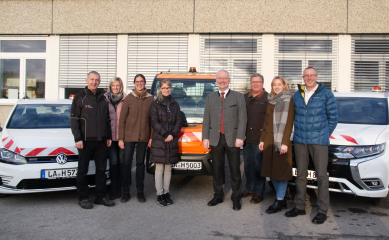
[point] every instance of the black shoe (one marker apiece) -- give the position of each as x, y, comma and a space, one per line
320, 218
277, 206
85, 203
167, 198
126, 197
112, 194
104, 201
119, 191
295, 212
236, 205
161, 201
215, 201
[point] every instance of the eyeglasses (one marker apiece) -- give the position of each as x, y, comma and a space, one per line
168, 88
221, 78
309, 76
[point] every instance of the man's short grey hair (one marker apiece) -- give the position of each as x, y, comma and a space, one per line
257, 75
94, 72
223, 71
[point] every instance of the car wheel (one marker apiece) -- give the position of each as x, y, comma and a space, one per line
381, 202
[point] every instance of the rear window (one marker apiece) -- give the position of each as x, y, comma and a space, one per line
372, 111
190, 95
32, 116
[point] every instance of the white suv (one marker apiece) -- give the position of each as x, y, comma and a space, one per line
358, 156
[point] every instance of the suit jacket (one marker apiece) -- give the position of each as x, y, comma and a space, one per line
235, 117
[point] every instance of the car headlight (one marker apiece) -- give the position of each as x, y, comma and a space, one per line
11, 157
360, 151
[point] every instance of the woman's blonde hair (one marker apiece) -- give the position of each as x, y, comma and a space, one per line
272, 93
162, 82
115, 79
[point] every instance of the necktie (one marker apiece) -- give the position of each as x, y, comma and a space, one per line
221, 121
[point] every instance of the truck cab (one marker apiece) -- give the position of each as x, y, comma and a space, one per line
190, 89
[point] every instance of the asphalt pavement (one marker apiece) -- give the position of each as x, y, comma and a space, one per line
57, 215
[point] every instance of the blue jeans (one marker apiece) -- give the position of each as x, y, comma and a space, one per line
280, 187
115, 154
252, 168
129, 148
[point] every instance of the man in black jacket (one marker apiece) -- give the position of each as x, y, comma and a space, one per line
91, 128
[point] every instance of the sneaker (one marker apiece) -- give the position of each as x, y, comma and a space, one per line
104, 201
85, 203
167, 198
161, 201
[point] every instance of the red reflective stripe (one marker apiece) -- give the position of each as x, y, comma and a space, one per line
61, 150
17, 150
5, 139
350, 139
180, 134
192, 137
331, 137
9, 144
35, 152
22, 149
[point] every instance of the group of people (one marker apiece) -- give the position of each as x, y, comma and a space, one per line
263, 123
114, 123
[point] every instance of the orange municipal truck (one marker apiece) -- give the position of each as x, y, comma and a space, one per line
190, 89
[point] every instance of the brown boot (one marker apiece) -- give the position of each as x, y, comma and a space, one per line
256, 198
141, 197
126, 197
247, 194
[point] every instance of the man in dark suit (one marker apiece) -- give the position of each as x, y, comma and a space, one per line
224, 129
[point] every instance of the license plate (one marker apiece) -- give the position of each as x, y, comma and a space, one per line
59, 173
311, 174
187, 166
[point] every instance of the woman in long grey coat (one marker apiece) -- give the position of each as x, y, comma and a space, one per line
166, 121
275, 141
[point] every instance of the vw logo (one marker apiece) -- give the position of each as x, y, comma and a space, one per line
61, 158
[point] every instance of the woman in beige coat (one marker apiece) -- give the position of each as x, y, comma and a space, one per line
275, 141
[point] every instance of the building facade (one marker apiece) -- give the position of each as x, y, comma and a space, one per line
48, 46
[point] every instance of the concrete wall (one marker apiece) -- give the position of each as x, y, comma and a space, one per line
190, 16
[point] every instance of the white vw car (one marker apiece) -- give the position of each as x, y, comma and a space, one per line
358, 154
37, 149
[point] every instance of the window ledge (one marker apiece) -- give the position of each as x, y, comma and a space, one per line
8, 101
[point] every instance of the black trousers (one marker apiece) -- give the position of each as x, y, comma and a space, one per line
218, 159
99, 151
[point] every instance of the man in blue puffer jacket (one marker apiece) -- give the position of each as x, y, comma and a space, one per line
315, 119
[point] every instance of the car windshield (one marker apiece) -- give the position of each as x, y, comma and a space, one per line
372, 111
191, 96
32, 116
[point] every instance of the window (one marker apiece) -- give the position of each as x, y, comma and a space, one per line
369, 62
81, 54
22, 68
293, 53
240, 55
152, 54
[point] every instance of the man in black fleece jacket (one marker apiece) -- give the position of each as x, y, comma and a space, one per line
90, 124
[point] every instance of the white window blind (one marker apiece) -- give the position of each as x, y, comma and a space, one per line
81, 54
152, 54
293, 53
369, 62
240, 55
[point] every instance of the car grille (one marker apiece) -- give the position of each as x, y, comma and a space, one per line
50, 159
51, 183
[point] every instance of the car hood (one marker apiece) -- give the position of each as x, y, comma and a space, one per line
356, 134
39, 142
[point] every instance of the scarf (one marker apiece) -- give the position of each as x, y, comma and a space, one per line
141, 94
280, 115
115, 100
